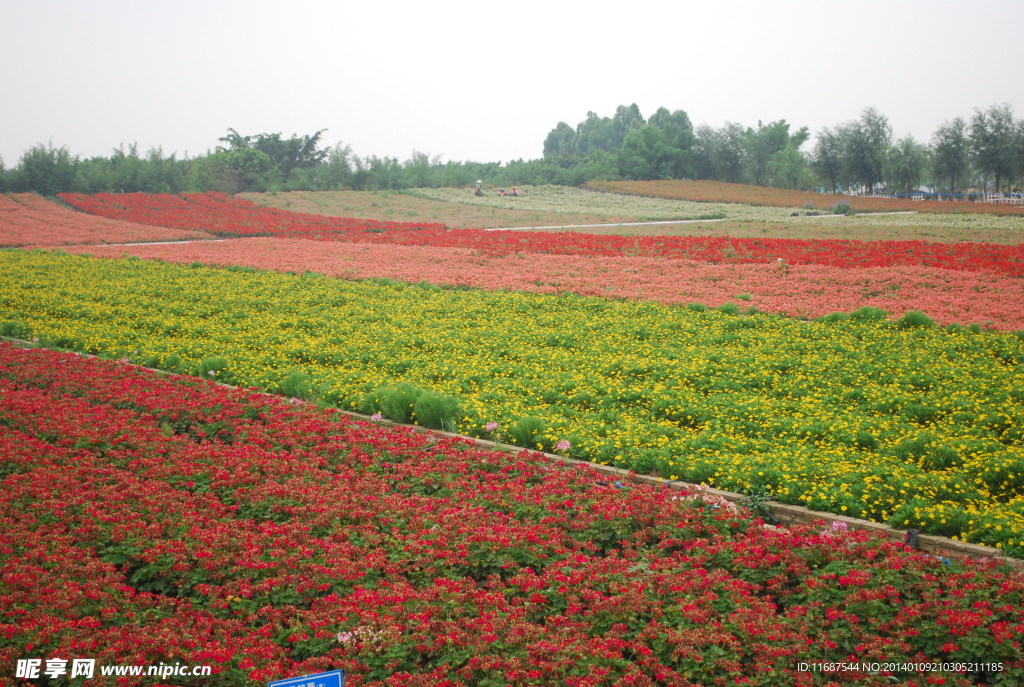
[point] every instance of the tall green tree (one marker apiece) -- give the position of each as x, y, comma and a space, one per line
626, 118
719, 153
994, 135
240, 169
596, 133
46, 170
906, 164
789, 168
951, 155
646, 154
284, 156
763, 143
827, 159
560, 145
865, 143
679, 136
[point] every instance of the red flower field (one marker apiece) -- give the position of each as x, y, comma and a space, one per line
28, 220
223, 215
148, 519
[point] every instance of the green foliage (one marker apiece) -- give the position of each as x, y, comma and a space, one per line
868, 313
864, 144
15, 330
855, 156
906, 162
914, 318
729, 309
527, 432
437, 411
393, 402
46, 170
405, 402
951, 155
215, 367
298, 385
995, 140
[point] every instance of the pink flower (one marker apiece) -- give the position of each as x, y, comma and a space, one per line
491, 426
563, 445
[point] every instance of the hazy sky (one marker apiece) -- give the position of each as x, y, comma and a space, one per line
484, 81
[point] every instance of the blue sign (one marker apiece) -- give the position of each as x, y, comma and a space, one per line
331, 679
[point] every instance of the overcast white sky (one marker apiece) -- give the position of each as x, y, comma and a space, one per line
484, 81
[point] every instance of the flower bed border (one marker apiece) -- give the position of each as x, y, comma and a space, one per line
787, 514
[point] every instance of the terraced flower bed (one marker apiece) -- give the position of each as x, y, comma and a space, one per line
232, 216
28, 220
148, 519
987, 299
894, 421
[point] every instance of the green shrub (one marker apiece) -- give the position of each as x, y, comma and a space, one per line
393, 402
742, 297
399, 401
15, 330
298, 385
172, 363
868, 313
215, 367
833, 317
527, 431
697, 307
914, 318
729, 309
437, 411
865, 440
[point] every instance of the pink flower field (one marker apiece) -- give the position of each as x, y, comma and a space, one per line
31, 221
948, 296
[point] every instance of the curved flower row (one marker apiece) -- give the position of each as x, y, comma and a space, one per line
807, 291
909, 424
29, 220
156, 520
224, 215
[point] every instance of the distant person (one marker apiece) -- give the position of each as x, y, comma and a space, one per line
478, 192
501, 192
515, 190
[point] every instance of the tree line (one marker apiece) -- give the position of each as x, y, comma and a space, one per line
860, 155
